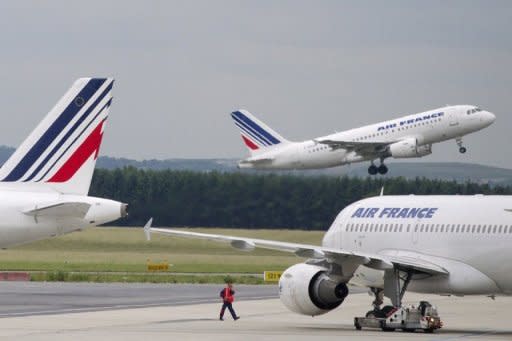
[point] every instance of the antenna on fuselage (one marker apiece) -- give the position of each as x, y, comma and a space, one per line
381, 191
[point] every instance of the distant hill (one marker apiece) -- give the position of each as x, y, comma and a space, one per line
460, 172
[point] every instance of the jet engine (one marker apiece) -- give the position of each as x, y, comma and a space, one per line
309, 290
409, 148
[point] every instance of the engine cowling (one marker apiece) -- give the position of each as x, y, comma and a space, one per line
409, 148
309, 290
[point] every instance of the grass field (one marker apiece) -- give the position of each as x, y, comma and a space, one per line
121, 254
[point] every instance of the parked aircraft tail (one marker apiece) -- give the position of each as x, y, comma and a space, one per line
61, 152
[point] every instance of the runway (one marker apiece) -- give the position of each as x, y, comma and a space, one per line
179, 316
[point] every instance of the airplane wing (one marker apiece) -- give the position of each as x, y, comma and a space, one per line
374, 261
358, 147
63, 209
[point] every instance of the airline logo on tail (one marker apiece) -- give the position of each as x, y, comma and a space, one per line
66, 139
255, 133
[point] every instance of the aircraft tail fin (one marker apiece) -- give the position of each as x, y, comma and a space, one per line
256, 135
61, 152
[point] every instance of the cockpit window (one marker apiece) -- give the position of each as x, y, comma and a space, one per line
472, 111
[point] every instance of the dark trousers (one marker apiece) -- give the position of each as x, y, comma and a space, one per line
230, 307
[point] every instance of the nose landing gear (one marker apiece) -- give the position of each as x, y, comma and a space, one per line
462, 149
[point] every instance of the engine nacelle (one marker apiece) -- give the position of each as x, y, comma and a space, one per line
409, 148
308, 290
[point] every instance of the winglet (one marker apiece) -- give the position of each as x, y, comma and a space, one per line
147, 229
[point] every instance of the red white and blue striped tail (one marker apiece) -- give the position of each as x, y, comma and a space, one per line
256, 135
61, 152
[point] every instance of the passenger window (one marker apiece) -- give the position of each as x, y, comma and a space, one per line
499, 229
495, 229
408, 227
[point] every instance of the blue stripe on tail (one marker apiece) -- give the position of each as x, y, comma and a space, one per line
251, 134
71, 131
53, 131
248, 122
245, 127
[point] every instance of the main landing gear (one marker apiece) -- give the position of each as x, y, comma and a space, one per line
462, 149
382, 169
391, 317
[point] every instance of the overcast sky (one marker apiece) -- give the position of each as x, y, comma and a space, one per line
307, 68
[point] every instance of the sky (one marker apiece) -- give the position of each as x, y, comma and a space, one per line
306, 68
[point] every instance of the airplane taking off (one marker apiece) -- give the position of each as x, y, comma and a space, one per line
447, 245
406, 137
44, 184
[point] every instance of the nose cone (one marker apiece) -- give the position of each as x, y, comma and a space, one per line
488, 117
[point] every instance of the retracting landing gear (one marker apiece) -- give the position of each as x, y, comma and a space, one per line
391, 317
462, 149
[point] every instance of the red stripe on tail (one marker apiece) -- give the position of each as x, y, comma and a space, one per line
249, 143
87, 148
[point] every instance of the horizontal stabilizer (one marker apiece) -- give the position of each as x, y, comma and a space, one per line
63, 209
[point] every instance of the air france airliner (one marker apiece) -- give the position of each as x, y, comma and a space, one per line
44, 184
410, 136
447, 245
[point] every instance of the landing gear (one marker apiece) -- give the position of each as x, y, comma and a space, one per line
462, 149
391, 317
373, 170
383, 169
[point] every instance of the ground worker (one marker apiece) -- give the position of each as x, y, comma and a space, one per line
228, 296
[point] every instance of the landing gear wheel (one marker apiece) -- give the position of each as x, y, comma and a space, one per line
383, 169
462, 150
372, 170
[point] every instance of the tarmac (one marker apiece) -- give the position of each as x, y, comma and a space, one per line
465, 318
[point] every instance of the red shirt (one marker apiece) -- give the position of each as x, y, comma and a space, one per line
229, 295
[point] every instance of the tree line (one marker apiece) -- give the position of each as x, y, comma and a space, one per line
238, 200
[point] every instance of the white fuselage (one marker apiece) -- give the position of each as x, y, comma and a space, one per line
469, 236
426, 128
17, 227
